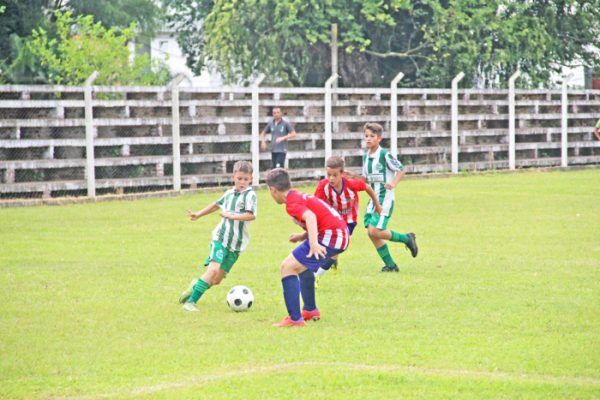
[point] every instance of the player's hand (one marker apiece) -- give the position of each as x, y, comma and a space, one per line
296, 237
389, 186
378, 209
279, 140
263, 146
192, 215
317, 251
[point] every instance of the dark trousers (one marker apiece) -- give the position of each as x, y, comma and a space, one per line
277, 160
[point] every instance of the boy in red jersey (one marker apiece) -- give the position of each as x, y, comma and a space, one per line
342, 194
325, 235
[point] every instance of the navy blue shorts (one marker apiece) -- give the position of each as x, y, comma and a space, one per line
351, 227
300, 253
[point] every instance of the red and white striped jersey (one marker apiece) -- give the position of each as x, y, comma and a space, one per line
333, 231
344, 201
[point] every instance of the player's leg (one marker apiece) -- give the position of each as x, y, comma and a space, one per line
273, 160
409, 239
291, 268
376, 225
219, 263
212, 276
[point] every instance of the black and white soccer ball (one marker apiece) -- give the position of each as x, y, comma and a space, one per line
240, 298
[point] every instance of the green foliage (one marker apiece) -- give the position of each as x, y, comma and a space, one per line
83, 46
429, 40
488, 310
21, 17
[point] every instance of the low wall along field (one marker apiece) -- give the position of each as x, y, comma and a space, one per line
43, 133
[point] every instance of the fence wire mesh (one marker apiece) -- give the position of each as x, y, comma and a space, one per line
43, 133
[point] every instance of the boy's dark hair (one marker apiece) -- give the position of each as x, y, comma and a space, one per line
279, 179
242, 166
335, 162
374, 127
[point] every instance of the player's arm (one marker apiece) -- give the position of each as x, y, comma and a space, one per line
394, 182
316, 250
289, 136
320, 192
374, 198
298, 237
597, 132
212, 207
263, 140
246, 216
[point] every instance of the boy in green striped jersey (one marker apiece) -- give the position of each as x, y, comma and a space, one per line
383, 172
229, 238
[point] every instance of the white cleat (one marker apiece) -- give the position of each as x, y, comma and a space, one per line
190, 307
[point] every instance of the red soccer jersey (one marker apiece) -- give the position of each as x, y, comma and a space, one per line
333, 231
345, 201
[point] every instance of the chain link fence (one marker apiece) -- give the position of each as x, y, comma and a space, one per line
163, 138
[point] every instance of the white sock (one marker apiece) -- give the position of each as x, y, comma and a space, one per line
320, 272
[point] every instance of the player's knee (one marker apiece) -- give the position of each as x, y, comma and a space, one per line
217, 280
373, 233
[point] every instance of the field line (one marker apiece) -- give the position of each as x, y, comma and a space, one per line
275, 368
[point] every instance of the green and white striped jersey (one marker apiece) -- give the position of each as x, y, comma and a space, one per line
380, 168
234, 234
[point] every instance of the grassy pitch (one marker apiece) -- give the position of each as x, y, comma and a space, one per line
503, 301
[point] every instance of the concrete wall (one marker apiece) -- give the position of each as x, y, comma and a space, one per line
42, 133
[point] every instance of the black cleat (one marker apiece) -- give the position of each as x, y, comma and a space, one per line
392, 268
412, 244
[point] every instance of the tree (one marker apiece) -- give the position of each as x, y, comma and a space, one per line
83, 46
428, 40
21, 17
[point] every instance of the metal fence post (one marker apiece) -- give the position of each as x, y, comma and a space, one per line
90, 172
511, 120
328, 90
175, 131
255, 145
564, 121
394, 114
455, 81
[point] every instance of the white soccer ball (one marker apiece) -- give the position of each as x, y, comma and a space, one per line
240, 298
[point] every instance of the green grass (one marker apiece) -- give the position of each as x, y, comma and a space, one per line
503, 301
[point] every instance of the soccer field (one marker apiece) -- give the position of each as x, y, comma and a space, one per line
502, 302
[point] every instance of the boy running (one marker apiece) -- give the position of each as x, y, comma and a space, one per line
383, 172
325, 235
230, 237
342, 194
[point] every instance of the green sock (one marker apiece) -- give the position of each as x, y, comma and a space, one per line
199, 288
399, 237
384, 253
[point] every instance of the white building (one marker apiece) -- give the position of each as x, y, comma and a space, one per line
164, 47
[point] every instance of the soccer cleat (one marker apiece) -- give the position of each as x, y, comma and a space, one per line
392, 268
313, 315
334, 266
190, 307
412, 244
287, 321
187, 292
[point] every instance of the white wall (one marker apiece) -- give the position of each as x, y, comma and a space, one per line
165, 47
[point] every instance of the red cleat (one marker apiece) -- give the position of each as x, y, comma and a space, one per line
287, 321
314, 315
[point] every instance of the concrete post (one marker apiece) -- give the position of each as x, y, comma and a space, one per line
511, 120
90, 172
174, 84
454, 156
328, 92
394, 114
255, 145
